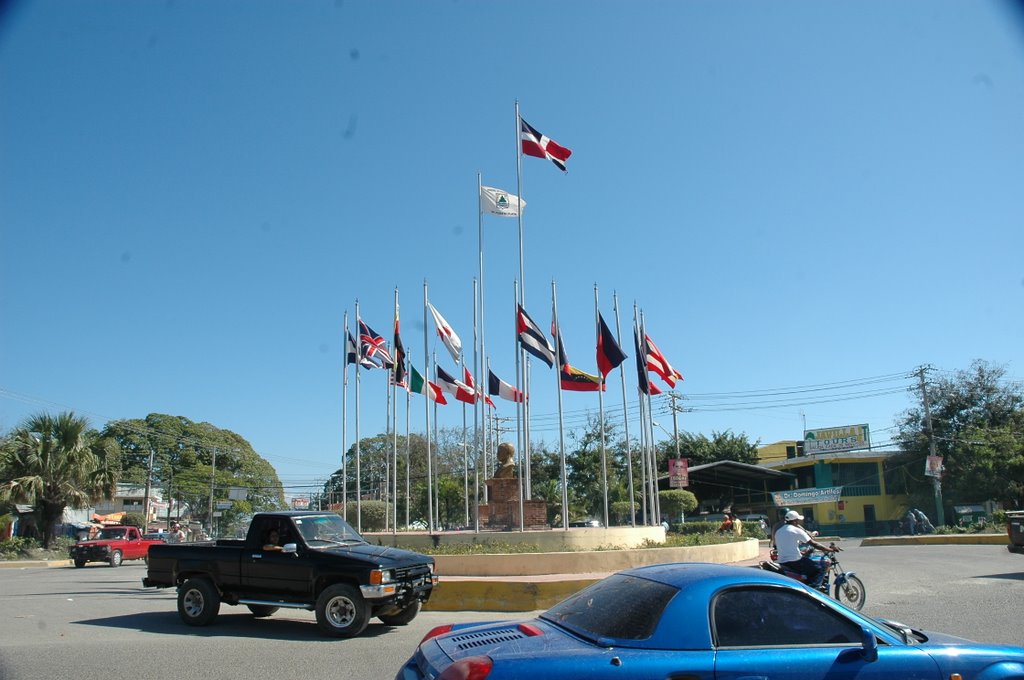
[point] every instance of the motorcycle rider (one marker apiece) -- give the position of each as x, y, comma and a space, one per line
788, 539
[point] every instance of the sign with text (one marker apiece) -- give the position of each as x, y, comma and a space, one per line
834, 439
806, 496
678, 472
300, 504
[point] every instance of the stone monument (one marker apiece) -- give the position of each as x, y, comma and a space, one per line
502, 509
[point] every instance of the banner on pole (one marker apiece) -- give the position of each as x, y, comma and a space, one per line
678, 472
806, 496
933, 466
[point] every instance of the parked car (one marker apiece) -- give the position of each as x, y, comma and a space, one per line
113, 545
300, 560
702, 621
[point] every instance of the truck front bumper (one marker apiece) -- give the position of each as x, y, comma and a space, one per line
387, 590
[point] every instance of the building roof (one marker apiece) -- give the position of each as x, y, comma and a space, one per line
735, 473
847, 456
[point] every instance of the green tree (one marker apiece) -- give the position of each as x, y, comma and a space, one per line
701, 449
978, 426
187, 456
675, 502
55, 462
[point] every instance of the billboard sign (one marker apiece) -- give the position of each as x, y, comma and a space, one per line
678, 472
300, 504
783, 499
835, 439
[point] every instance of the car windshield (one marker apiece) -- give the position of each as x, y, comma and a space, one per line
621, 607
326, 530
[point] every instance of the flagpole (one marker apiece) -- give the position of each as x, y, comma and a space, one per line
625, 414
426, 409
436, 510
478, 402
465, 458
386, 486
359, 488
520, 408
600, 403
394, 427
561, 424
641, 365
344, 424
408, 451
655, 500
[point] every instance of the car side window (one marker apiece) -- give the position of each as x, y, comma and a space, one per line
777, 617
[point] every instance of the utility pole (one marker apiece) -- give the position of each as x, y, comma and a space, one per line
675, 422
149, 489
213, 472
940, 516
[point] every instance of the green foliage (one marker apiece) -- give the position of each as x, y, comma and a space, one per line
17, 547
55, 462
977, 418
675, 502
701, 449
134, 519
373, 513
480, 548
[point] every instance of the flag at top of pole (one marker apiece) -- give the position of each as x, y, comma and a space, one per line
499, 202
537, 145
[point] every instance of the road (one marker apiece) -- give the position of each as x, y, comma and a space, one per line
92, 623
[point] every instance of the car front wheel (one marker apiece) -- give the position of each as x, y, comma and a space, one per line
341, 611
116, 558
198, 602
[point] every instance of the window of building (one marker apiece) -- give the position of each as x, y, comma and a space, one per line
857, 479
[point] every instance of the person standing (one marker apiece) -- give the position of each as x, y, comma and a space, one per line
176, 535
911, 522
737, 526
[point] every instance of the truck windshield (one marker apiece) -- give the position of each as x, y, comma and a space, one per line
325, 530
111, 534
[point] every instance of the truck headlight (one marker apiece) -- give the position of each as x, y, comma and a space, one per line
380, 576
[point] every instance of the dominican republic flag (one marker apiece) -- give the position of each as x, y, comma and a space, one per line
537, 145
457, 389
531, 337
500, 388
657, 362
571, 378
501, 203
374, 346
476, 390
642, 379
609, 354
351, 358
448, 336
428, 389
398, 372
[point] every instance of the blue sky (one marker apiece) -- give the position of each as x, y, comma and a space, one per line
193, 194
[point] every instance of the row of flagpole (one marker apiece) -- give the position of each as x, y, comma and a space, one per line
371, 351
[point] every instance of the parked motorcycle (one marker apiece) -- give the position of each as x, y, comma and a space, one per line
843, 586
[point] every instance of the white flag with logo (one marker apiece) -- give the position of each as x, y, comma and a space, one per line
500, 203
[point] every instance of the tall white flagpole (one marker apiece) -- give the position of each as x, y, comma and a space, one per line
408, 452
600, 403
359, 488
561, 425
655, 499
394, 428
385, 485
344, 424
625, 415
478, 409
520, 408
642, 362
426, 409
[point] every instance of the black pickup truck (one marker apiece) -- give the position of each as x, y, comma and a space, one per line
303, 560
1015, 530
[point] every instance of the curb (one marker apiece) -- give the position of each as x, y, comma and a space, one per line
33, 564
938, 539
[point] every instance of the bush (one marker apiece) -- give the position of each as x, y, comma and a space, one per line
134, 519
17, 547
373, 514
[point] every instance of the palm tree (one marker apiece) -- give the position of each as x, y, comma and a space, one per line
48, 462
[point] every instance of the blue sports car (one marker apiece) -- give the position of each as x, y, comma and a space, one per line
703, 621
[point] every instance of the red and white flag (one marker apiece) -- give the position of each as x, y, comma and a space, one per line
447, 333
537, 145
657, 362
454, 387
500, 388
477, 389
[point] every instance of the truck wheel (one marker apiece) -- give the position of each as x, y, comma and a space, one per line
116, 558
403, 616
79, 563
198, 602
341, 611
261, 610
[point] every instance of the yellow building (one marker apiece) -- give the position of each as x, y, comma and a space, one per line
869, 504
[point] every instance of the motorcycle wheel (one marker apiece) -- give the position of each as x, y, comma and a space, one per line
851, 593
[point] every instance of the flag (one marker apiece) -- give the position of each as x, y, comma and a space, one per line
398, 372
499, 202
532, 338
420, 386
642, 379
448, 336
500, 388
537, 145
571, 378
609, 354
657, 362
454, 387
374, 346
477, 390
350, 354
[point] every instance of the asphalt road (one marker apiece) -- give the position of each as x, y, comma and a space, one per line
98, 622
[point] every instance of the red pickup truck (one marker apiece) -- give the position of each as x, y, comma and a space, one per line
113, 545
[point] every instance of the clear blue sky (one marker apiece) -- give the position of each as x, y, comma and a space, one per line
192, 194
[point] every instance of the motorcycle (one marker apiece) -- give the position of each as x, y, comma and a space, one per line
845, 587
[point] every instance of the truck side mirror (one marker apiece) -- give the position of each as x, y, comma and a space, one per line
289, 548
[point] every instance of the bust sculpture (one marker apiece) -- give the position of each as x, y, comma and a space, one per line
506, 468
